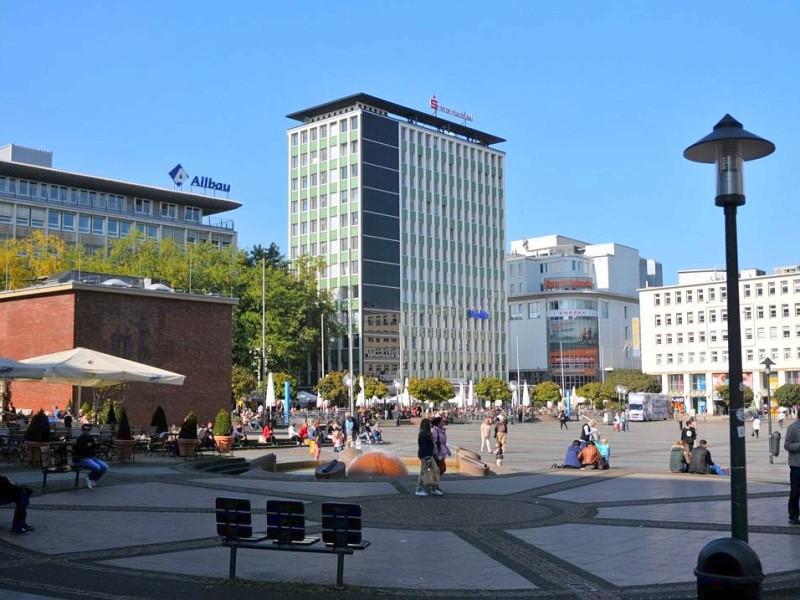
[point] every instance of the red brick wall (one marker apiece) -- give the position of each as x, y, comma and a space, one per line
189, 337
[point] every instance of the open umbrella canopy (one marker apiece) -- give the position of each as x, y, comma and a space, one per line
11, 369
90, 368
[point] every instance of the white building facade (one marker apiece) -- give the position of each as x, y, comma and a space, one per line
573, 309
407, 211
685, 333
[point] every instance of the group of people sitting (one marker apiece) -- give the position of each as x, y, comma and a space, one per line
587, 455
685, 459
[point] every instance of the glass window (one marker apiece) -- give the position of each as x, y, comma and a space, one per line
84, 224
98, 226
54, 219
113, 228
294, 139
192, 214
68, 222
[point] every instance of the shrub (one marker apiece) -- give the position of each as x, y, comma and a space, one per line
222, 424
189, 427
159, 420
124, 428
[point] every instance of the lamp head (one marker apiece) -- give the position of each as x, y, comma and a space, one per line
768, 364
728, 146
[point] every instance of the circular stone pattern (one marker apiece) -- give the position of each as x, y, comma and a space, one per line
456, 512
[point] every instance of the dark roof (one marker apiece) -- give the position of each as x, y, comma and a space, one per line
209, 204
410, 114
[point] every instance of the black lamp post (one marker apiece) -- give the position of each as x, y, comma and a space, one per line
768, 364
728, 146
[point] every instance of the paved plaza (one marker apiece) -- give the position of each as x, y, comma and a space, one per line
525, 531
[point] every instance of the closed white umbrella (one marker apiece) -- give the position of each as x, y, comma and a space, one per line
462, 396
320, 401
471, 396
526, 396
362, 399
270, 401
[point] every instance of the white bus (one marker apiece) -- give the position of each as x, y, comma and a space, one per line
648, 407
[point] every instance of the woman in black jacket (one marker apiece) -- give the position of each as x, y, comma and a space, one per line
425, 455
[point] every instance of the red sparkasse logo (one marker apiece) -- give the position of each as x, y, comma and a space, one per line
434, 103
456, 113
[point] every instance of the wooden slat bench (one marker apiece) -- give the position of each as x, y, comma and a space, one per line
286, 530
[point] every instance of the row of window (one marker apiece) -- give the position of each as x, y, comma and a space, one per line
748, 291
324, 177
431, 140
321, 224
325, 200
690, 317
690, 337
581, 307
93, 200
323, 131
333, 152
761, 312
721, 356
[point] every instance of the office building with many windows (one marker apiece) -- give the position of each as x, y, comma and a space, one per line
407, 211
93, 211
573, 309
685, 333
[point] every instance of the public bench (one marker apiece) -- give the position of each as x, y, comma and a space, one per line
286, 530
58, 460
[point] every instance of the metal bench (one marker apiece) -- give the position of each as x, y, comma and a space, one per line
286, 530
58, 462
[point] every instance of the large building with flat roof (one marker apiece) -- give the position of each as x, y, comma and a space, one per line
407, 209
93, 211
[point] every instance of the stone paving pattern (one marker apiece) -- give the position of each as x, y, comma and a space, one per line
525, 531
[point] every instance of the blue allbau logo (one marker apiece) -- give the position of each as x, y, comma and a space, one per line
478, 314
179, 175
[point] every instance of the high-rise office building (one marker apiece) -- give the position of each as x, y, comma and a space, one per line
407, 209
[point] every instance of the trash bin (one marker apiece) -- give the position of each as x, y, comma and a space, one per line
728, 568
775, 443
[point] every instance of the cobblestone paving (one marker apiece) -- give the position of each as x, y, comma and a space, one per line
526, 531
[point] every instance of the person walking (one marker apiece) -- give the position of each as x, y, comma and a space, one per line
425, 452
486, 430
689, 433
562, 418
440, 449
756, 425
792, 446
781, 417
501, 434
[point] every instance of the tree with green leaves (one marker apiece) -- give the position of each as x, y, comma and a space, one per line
493, 388
633, 380
547, 391
375, 387
598, 393
723, 393
432, 389
788, 395
334, 390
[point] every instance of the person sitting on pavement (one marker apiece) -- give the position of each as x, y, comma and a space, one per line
338, 440
377, 433
206, 436
84, 454
294, 435
604, 448
589, 456
20, 496
303, 432
679, 457
266, 433
571, 461
239, 436
701, 463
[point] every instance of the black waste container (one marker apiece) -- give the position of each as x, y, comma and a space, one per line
775, 443
728, 568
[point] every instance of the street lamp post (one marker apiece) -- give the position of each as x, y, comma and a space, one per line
728, 146
768, 364
349, 380
512, 385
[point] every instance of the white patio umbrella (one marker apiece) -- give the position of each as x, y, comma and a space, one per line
526, 396
462, 398
514, 399
471, 395
12, 369
320, 401
270, 400
85, 367
90, 368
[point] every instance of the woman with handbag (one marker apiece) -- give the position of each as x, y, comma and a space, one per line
428, 480
440, 449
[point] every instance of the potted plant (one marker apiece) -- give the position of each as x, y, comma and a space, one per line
159, 421
124, 442
187, 437
37, 435
223, 431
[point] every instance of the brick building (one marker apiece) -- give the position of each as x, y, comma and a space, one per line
185, 333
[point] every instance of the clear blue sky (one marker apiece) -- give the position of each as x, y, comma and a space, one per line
597, 100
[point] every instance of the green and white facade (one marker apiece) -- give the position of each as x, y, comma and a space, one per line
408, 212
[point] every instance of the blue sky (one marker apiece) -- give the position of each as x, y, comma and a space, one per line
597, 100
